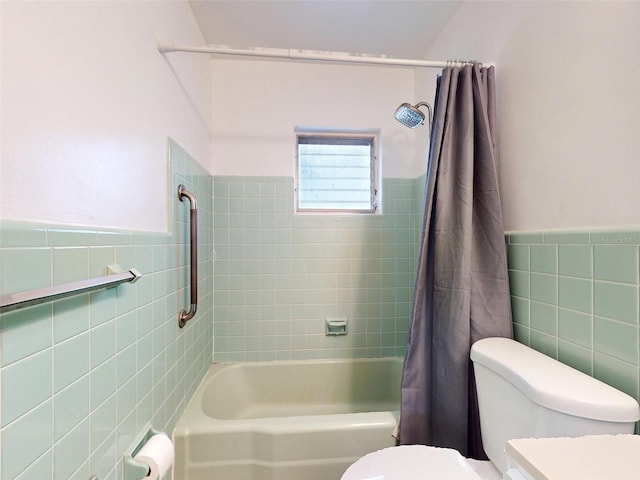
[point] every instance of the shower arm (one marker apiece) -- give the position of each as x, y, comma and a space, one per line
425, 104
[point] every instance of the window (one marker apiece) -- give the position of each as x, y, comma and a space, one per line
336, 172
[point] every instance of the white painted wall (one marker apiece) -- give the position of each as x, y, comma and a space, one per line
568, 106
87, 106
257, 104
425, 89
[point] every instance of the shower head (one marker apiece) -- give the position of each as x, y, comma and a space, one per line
410, 116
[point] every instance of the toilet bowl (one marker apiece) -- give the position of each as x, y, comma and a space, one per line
521, 394
420, 462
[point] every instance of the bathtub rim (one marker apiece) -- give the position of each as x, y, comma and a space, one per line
195, 421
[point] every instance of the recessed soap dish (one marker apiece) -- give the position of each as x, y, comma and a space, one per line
335, 326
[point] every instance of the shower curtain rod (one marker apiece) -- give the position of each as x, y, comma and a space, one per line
289, 53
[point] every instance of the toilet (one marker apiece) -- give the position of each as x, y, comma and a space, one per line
521, 394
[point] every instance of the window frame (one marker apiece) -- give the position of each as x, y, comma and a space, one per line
372, 137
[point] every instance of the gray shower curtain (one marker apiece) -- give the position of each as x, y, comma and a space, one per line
462, 289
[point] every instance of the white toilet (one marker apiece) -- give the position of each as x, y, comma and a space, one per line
521, 394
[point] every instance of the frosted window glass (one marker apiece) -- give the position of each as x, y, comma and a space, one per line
336, 173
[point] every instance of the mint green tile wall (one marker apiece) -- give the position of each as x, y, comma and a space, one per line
418, 208
279, 275
80, 377
575, 297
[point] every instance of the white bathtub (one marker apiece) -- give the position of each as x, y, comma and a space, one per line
287, 420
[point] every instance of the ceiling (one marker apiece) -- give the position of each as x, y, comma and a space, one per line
396, 28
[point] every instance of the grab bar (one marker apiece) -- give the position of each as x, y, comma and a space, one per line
14, 301
184, 316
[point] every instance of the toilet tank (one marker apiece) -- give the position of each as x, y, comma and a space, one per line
525, 394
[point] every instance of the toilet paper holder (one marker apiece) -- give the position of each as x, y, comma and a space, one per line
134, 470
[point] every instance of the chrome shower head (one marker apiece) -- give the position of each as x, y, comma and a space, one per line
410, 116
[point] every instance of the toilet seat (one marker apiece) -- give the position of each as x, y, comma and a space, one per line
415, 462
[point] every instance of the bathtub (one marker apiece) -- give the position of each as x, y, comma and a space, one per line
287, 420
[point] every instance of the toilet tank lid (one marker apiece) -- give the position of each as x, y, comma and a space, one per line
552, 384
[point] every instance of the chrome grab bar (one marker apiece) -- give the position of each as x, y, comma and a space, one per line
15, 301
184, 316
